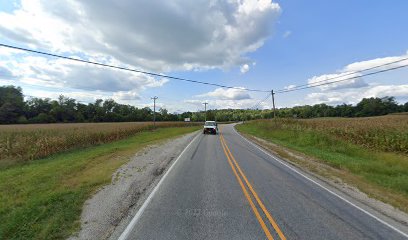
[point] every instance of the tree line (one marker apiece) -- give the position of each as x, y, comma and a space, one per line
14, 109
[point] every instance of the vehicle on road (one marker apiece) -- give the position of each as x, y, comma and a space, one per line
210, 127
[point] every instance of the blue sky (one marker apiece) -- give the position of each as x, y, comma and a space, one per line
282, 43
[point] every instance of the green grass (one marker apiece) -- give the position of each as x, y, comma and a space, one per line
384, 169
43, 199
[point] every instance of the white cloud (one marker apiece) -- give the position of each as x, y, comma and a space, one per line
227, 94
227, 98
289, 87
339, 79
388, 90
161, 36
226, 104
355, 95
356, 82
353, 90
5, 52
331, 98
60, 73
147, 35
85, 97
357, 66
82, 97
244, 68
126, 95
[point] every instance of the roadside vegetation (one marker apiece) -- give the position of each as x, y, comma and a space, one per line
23, 143
43, 199
372, 153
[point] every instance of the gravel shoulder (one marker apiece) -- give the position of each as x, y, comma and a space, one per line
109, 211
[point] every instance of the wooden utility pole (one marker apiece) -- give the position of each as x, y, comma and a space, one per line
273, 103
154, 111
205, 110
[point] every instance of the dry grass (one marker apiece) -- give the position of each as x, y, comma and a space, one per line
386, 133
22, 143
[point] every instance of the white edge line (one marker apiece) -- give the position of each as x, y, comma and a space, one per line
318, 184
139, 213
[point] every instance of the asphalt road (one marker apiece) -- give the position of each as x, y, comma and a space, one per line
223, 187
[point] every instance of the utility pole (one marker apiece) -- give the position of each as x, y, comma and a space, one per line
273, 103
205, 110
154, 111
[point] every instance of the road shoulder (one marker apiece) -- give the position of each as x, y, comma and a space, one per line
109, 211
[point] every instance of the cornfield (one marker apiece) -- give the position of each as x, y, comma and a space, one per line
385, 133
21, 143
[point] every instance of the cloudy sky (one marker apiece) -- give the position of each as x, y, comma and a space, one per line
258, 44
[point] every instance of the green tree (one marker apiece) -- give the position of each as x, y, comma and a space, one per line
11, 104
376, 106
344, 110
35, 106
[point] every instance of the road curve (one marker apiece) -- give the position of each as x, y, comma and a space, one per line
223, 187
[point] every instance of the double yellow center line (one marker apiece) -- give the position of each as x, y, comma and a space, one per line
240, 174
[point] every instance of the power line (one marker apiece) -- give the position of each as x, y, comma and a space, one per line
343, 75
299, 87
261, 101
128, 69
327, 83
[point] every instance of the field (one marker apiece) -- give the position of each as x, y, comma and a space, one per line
372, 153
23, 143
43, 198
386, 133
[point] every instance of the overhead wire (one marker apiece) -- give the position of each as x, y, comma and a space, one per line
299, 87
327, 83
129, 69
348, 73
260, 102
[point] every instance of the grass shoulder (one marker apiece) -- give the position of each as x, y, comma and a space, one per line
43, 199
382, 175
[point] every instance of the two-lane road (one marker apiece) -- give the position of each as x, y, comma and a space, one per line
223, 187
